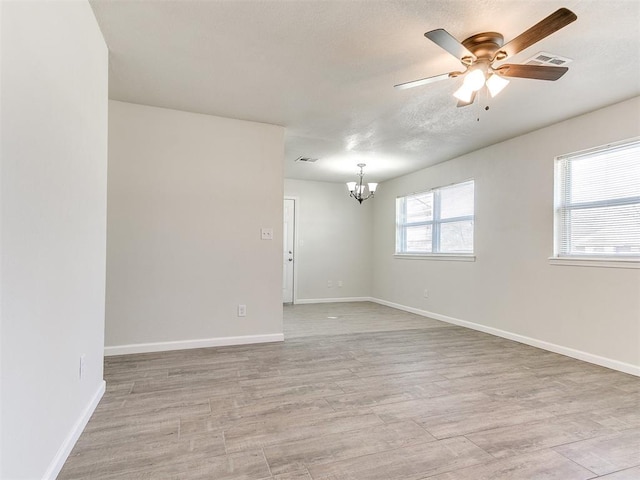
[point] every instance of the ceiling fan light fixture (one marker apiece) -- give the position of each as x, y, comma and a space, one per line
464, 94
496, 84
474, 80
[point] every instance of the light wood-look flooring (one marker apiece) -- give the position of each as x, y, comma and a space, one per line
359, 391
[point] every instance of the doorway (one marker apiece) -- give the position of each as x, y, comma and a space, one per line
288, 252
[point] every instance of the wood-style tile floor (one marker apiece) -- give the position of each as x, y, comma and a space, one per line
362, 392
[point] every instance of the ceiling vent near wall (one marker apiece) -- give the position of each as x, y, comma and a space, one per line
305, 160
548, 59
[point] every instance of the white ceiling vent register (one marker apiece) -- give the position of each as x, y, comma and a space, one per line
549, 59
305, 160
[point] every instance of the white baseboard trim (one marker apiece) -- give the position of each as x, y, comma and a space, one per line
552, 347
187, 344
65, 449
305, 301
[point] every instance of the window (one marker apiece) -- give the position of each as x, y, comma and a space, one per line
439, 221
597, 202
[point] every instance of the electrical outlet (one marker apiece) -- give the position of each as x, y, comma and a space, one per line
266, 233
426, 293
340, 283
82, 366
329, 284
242, 310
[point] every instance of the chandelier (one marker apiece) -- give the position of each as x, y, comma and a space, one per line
357, 189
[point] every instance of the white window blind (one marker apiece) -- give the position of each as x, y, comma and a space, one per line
597, 202
439, 221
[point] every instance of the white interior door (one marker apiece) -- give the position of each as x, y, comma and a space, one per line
288, 252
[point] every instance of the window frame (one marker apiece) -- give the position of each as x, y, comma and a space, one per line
562, 222
436, 226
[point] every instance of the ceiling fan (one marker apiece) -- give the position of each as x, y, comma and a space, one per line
480, 52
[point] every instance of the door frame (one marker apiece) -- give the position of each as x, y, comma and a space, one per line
296, 214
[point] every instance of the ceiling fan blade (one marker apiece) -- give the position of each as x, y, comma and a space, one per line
537, 72
554, 22
445, 40
424, 81
465, 104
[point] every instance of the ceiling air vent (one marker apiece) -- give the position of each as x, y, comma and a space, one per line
548, 59
305, 160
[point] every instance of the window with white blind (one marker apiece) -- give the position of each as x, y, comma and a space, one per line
597, 203
439, 221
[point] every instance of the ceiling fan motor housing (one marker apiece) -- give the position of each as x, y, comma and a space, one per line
483, 45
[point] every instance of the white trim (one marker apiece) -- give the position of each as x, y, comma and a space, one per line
65, 449
436, 256
606, 262
305, 301
188, 344
552, 347
470, 179
599, 148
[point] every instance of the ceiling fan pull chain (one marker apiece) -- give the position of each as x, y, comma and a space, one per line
478, 104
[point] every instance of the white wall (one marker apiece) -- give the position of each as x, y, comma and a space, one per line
53, 225
188, 195
334, 241
512, 286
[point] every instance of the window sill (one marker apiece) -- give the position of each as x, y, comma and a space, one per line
436, 256
603, 262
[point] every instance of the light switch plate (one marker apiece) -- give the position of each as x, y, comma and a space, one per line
266, 233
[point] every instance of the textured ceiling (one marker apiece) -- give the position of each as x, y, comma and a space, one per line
325, 70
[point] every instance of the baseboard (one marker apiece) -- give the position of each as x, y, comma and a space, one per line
65, 449
304, 301
552, 347
188, 344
